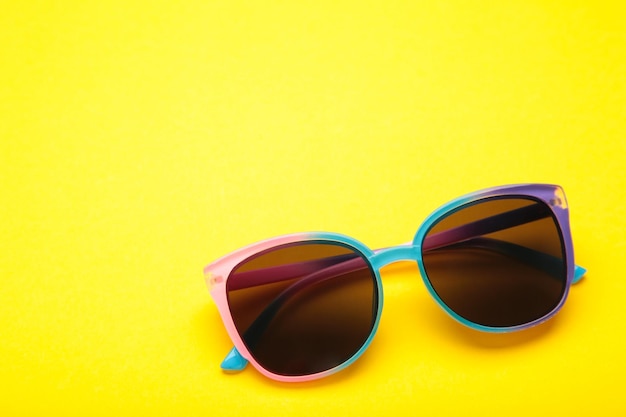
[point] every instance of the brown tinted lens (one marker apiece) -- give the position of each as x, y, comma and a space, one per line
303, 308
499, 262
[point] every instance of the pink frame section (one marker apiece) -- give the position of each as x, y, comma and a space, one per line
217, 273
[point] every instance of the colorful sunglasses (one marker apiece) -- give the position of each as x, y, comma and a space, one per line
303, 306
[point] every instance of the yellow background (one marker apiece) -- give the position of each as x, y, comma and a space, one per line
140, 141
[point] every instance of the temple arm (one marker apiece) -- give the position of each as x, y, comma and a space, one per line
537, 259
447, 238
294, 270
284, 272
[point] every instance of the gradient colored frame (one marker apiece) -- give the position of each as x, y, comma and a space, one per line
218, 272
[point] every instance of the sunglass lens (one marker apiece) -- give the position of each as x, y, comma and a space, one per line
305, 307
498, 262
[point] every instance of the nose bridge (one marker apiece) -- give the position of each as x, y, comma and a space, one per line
383, 257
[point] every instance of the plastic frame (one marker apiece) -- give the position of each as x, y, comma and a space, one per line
217, 273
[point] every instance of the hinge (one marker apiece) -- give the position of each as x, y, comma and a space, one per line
212, 280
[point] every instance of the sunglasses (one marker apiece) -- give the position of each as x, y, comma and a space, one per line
303, 306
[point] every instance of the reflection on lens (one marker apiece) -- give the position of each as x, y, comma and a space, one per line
498, 262
305, 307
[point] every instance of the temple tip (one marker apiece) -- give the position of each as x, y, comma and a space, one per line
579, 273
234, 362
